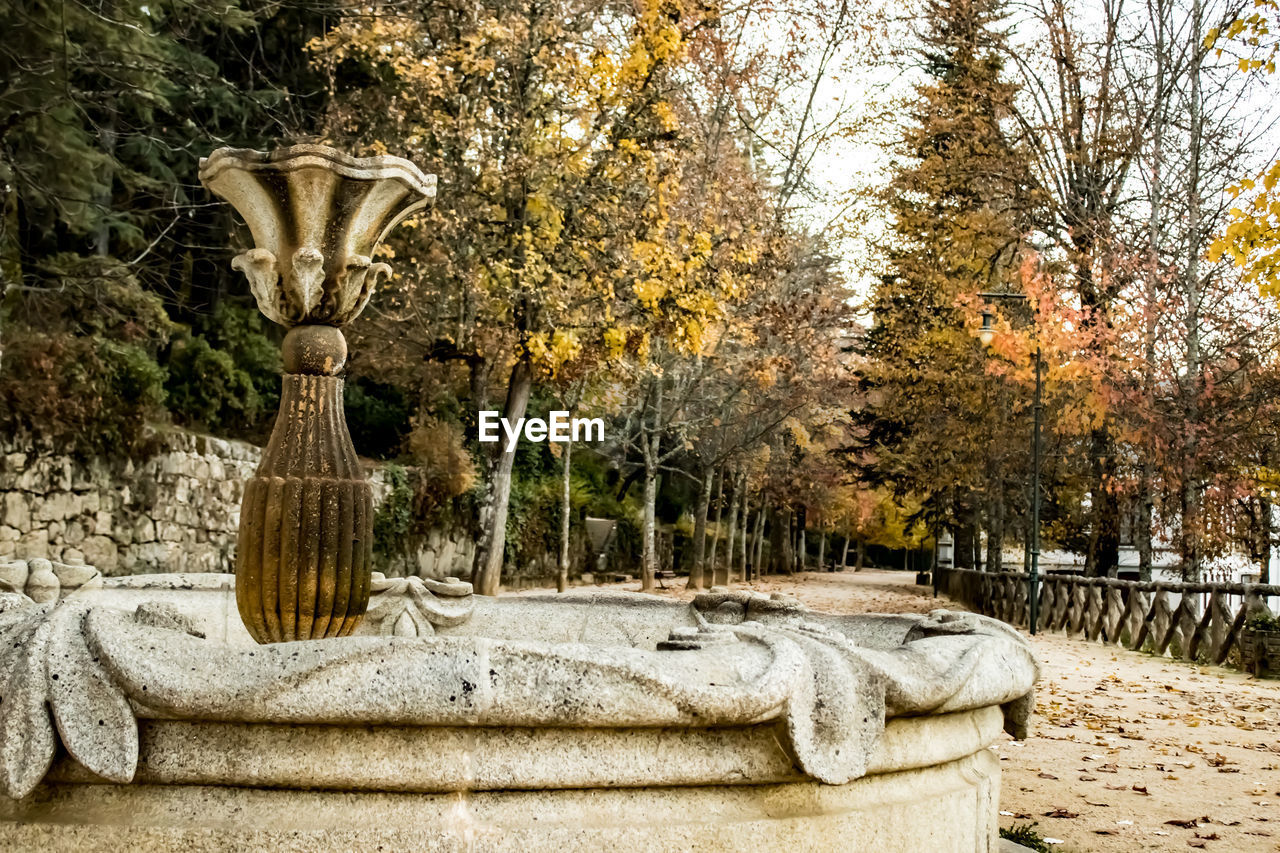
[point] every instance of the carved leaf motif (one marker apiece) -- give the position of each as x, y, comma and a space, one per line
306, 281
259, 267
49, 674
369, 281
93, 716
26, 734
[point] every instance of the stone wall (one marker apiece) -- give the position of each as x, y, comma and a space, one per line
177, 511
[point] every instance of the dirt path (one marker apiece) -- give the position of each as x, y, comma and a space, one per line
1127, 752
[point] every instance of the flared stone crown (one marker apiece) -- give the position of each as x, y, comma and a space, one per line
316, 216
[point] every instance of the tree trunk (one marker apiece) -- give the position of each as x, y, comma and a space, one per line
648, 533
844, 557
730, 537
715, 533
1264, 535
745, 531
802, 522
700, 530
862, 556
757, 556
780, 556
822, 548
1192, 522
1142, 536
651, 449
1104, 537
1155, 237
995, 532
493, 514
963, 547
562, 582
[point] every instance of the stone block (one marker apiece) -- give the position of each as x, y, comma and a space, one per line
14, 575
74, 533
168, 531
17, 512
102, 552
34, 545
72, 556
144, 529
57, 506
42, 584
9, 534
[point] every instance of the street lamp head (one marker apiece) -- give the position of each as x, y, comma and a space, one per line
987, 333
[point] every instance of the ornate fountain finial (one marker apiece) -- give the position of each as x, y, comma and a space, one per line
306, 525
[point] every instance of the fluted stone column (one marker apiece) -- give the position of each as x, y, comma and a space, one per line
306, 524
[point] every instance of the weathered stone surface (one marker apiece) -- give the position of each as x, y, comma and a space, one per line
102, 552
17, 512
832, 693
13, 575
542, 723
943, 809
42, 584
440, 758
34, 545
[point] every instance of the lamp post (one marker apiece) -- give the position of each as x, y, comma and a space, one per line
987, 334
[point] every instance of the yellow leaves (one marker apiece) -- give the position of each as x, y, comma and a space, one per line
615, 342
799, 434
651, 291
1251, 238
690, 335
547, 219
666, 118
552, 352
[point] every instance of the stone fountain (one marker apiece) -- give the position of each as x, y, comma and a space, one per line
142, 712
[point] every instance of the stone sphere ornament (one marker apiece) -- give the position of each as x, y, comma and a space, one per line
303, 557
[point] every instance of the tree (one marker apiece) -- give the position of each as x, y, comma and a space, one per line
552, 127
934, 423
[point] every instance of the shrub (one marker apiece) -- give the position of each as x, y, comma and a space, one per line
208, 389
80, 372
1026, 835
377, 416
394, 518
445, 468
1263, 622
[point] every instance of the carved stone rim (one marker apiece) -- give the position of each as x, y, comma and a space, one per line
304, 156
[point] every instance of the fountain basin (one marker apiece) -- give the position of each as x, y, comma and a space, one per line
573, 722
